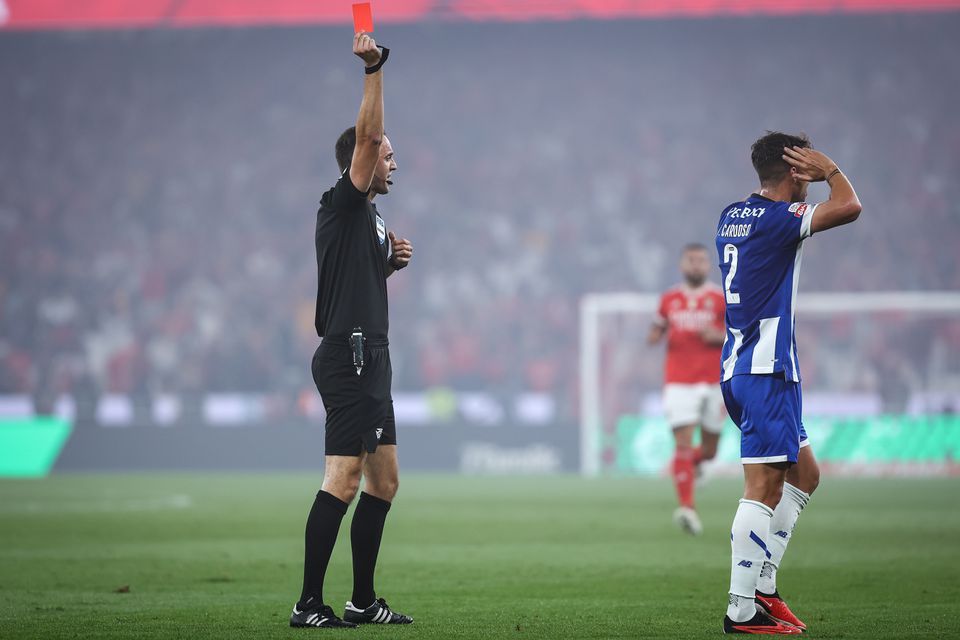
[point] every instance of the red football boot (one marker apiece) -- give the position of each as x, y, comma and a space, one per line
760, 624
777, 609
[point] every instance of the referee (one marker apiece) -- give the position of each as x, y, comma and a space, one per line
351, 367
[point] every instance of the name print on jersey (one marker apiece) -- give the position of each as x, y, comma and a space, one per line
734, 230
740, 230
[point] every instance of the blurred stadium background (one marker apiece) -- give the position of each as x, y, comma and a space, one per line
159, 186
160, 167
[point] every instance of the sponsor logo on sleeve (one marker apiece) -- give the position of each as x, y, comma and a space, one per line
798, 209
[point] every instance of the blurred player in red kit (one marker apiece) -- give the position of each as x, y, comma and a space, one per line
690, 316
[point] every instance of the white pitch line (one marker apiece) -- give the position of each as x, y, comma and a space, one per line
120, 505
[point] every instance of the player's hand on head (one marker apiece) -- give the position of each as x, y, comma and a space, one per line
402, 249
365, 48
810, 165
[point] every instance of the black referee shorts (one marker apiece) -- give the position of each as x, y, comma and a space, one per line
359, 408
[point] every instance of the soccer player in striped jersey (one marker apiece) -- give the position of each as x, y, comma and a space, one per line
690, 316
760, 245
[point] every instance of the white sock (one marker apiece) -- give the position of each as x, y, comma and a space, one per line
781, 530
751, 526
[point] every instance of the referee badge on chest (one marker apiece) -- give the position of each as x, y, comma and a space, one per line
381, 229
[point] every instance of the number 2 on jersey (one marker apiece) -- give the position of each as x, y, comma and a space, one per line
730, 255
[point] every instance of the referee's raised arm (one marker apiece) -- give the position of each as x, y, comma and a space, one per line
370, 119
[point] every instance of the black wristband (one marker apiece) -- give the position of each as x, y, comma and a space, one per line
384, 54
832, 173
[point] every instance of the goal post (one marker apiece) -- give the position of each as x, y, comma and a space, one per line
601, 309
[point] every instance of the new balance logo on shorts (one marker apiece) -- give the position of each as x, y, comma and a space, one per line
782, 534
745, 563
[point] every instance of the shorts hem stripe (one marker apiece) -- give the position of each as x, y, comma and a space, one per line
763, 460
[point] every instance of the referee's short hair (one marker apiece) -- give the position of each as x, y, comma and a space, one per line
767, 155
694, 246
344, 149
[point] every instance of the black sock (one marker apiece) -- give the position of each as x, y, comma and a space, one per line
323, 523
365, 533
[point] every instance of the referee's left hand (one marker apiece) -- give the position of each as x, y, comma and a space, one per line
402, 249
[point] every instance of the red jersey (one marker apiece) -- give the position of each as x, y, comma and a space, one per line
686, 313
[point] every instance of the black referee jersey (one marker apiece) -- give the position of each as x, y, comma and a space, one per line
352, 250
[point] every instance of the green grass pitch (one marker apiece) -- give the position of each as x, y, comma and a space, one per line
219, 556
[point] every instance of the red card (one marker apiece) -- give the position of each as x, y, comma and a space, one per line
362, 18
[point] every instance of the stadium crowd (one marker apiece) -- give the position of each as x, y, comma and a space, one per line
158, 190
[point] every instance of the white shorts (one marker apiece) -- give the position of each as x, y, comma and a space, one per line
694, 404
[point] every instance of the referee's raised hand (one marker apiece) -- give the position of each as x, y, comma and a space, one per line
366, 49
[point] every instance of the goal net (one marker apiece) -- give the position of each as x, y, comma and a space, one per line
881, 384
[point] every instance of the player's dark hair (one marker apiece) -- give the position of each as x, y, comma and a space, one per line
345, 145
694, 246
767, 155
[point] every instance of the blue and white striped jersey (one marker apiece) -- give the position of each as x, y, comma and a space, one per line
760, 244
